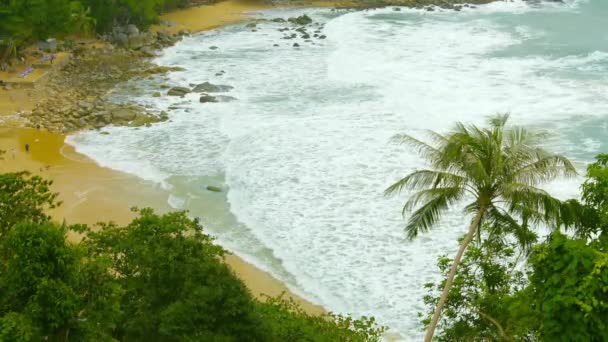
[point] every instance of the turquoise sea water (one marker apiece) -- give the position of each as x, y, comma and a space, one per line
304, 152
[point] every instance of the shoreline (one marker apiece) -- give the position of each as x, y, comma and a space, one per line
91, 193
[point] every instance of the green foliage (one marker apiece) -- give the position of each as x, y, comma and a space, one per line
289, 322
569, 284
25, 21
480, 302
49, 288
176, 287
24, 198
594, 194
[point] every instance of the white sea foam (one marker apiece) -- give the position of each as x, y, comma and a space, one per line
305, 149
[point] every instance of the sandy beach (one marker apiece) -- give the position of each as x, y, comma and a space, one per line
91, 193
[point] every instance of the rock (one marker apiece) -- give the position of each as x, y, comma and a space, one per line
156, 94
86, 105
124, 114
132, 30
305, 36
278, 20
213, 47
162, 70
104, 133
251, 25
301, 20
178, 91
322, 36
148, 51
275, 45
296, 45
211, 88
121, 39
206, 98
396, 9
214, 188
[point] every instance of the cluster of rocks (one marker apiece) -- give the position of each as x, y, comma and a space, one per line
63, 115
204, 89
75, 97
428, 5
131, 37
306, 29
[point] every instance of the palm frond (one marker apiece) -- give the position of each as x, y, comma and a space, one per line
499, 120
422, 179
506, 224
451, 193
523, 199
425, 217
425, 150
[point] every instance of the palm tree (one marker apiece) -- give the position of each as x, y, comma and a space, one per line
498, 168
82, 20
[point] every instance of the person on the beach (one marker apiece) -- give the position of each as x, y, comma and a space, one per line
27, 148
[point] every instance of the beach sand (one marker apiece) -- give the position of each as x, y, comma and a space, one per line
91, 193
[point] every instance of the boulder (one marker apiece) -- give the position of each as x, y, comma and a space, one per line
301, 20
278, 20
178, 91
121, 39
124, 114
132, 30
206, 98
211, 88
214, 188
156, 94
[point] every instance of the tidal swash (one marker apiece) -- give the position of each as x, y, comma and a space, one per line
304, 152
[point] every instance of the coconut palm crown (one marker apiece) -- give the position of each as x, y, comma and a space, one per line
498, 168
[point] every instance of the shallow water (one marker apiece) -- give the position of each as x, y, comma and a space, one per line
304, 151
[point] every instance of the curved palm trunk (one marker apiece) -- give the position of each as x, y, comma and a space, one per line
448, 284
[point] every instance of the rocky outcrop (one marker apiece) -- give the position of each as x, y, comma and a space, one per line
206, 98
178, 91
207, 87
301, 20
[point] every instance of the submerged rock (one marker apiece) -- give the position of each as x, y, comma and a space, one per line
207, 87
206, 98
214, 188
178, 91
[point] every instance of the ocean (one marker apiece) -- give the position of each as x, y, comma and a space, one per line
304, 152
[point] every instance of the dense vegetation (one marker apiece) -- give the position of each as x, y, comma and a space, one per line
159, 278
25, 21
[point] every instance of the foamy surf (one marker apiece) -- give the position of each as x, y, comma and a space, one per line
304, 151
